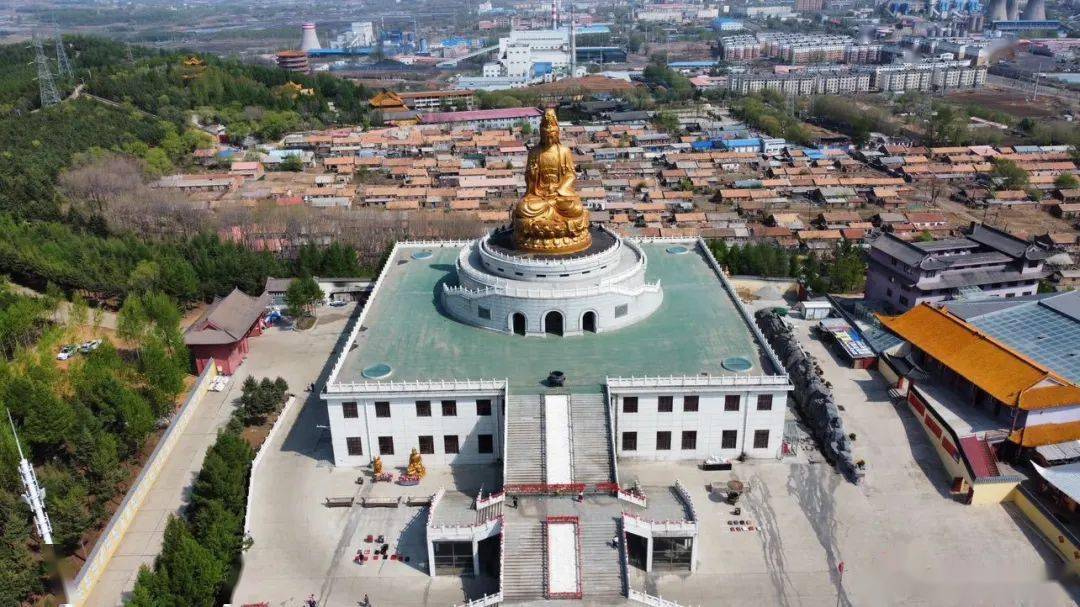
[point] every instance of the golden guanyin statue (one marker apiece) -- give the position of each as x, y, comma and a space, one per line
376, 466
416, 465
550, 218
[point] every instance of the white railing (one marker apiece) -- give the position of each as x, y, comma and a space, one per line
485, 601
648, 599
465, 267
670, 381
258, 459
645, 526
747, 317
427, 385
435, 499
549, 262
340, 362
491, 500
465, 532
554, 293
685, 495
638, 500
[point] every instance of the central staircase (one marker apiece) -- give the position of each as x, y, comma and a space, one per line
525, 439
591, 438
523, 571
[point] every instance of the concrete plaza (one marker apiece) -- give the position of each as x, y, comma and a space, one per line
902, 539
296, 356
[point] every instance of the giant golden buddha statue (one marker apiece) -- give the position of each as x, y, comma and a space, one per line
550, 218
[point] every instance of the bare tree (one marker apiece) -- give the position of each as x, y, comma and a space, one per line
95, 184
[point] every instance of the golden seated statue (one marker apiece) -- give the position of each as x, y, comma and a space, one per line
550, 218
416, 465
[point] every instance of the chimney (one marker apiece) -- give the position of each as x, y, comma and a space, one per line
1034, 11
996, 11
310, 40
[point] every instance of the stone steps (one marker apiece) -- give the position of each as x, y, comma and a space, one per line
601, 571
591, 439
524, 440
523, 563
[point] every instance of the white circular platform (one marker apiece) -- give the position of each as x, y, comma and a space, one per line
600, 289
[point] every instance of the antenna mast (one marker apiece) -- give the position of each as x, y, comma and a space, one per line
35, 495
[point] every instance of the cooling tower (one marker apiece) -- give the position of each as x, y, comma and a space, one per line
996, 11
1012, 7
310, 40
1035, 11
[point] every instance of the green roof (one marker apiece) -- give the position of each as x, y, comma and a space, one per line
693, 331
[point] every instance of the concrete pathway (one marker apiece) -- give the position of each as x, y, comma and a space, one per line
298, 357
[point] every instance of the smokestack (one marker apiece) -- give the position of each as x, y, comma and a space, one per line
1034, 11
996, 11
310, 40
1012, 7
554, 14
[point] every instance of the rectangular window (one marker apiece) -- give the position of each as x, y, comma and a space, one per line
663, 441
629, 404
764, 402
761, 439
664, 404
728, 439
423, 408
449, 408
450, 443
483, 312
349, 411
689, 440
690, 403
486, 444
382, 408
483, 407
629, 441
427, 445
354, 445
386, 445
731, 402
621, 310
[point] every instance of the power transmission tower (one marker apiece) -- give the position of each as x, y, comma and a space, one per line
49, 95
63, 66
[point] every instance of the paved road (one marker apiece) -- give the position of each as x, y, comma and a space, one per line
296, 356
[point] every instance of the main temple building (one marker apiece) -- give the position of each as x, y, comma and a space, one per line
556, 349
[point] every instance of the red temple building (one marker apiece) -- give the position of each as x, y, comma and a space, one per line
222, 331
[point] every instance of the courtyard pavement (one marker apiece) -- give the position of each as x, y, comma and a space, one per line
297, 356
902, 539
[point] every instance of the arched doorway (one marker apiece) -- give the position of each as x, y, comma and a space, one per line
553, 323
588, 322
518, 321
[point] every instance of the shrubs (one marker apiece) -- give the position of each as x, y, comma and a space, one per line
200, 555
261, 398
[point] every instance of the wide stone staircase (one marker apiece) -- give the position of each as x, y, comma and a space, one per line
523, 571
601, 565
591, 439
524, 440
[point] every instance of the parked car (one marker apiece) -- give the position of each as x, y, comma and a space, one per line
67, 352
89, 346
338, 303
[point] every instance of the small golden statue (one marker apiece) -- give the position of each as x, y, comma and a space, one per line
376, 466
416, 465
550, 218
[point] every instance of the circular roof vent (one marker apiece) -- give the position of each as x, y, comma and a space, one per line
737, 364
678, 250
377, 371
422, 255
